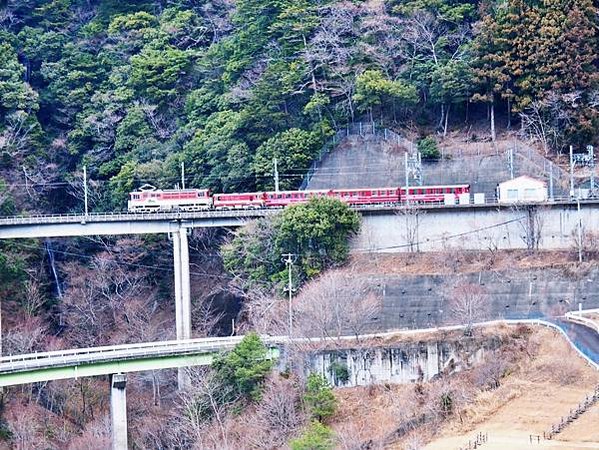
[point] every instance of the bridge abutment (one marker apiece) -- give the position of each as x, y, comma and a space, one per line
118, 411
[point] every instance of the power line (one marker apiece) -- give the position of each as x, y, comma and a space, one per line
452, 236
125, 263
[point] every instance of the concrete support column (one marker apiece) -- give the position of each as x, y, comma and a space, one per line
182, 294
118, 411
177, 267
185, 286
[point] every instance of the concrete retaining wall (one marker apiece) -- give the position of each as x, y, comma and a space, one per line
547, 228
404, 363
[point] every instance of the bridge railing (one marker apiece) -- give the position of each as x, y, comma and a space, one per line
94, 354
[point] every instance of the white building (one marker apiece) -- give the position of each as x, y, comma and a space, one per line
522, 189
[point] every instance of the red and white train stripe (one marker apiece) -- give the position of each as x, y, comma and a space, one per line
149, 199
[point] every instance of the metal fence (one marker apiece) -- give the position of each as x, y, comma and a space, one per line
362, 129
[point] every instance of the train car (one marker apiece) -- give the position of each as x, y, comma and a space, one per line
370, 196
285, 198
150, 199
236, 201
432, 194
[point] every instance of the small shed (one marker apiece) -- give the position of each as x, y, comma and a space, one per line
522, 189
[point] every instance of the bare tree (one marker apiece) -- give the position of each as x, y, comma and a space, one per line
410, 216
33, 296
531, 224
585, 242
205, 409
26, 430
545, 121
468, 303
112, 298
277, 416
337, 303
25, 337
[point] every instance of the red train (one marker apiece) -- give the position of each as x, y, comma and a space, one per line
150, 199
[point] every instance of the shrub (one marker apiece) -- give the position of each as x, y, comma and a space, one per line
428, 148
339, 371
319, 397
245, 367
316, 437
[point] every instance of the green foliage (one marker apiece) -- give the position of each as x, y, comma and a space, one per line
7, 204
243, 369
428, 148
251, 253
14, 93
373, 89
339, 371
227, 86
294, 150
317, 232
122, 183
157, 73
316, 437
319, 398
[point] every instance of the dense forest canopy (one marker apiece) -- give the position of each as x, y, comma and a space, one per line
133, 88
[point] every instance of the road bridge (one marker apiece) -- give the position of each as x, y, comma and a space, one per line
116, 361
86, 362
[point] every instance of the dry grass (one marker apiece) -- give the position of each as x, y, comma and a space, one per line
536, 395
543, 378
444, 263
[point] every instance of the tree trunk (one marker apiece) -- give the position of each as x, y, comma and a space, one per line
442, 115
467, 112
492, 112
509, 114
446, 120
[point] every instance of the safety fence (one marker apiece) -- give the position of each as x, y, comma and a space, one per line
574, 414
478, 440
362, 129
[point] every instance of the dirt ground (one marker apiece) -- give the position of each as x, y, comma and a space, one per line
528, 403
535, 408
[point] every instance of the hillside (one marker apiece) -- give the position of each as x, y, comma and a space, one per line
209, 93
132, 89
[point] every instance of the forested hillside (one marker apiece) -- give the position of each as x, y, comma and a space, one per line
133, 88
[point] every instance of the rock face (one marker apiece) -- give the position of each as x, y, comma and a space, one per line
402, 363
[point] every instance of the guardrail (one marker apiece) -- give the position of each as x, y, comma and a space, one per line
33, 361
577, 318
71, 357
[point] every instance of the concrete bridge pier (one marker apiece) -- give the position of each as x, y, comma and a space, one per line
182, 294
118, 411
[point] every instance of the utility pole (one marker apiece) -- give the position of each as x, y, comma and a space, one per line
510, 162
579, 231
591, 151
276, 176
551, 180
571, 171
289, 263
85, 189
183, 175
